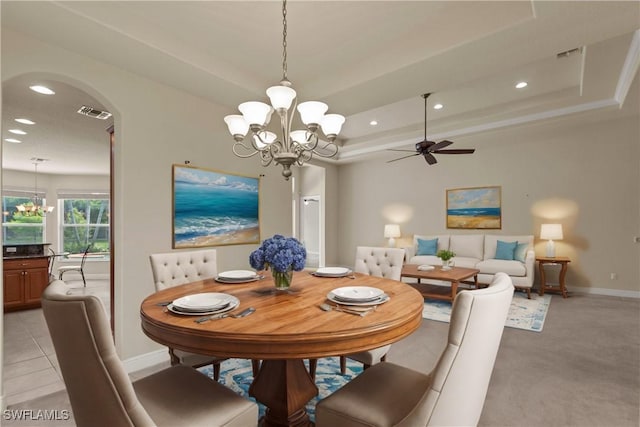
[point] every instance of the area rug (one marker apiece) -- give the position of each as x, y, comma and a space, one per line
238, 375
527, 314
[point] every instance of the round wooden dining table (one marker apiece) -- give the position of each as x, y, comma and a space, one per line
285, 329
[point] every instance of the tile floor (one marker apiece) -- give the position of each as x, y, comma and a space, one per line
30, 366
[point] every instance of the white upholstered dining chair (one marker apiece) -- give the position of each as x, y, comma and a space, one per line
379, 262
178, 268
453, 394
100, 391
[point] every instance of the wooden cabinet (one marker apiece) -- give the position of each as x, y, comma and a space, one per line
23, 282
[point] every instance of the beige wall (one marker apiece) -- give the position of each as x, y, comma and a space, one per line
156, 126
586, 178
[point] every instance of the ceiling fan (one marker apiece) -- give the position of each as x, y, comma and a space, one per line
429, 148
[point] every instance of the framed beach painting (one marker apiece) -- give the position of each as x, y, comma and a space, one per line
213, 208
474, 208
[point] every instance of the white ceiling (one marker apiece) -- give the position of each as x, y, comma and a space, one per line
366, 59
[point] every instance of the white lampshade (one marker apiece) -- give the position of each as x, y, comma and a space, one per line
267, 138
332, 124
299, 136
256, 113
391, 230
551, 232
312, 112
281, 96
236, 124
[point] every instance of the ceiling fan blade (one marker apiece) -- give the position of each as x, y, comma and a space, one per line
440, 145
424, 144
430, 159
397, 149
400, 158
457, 151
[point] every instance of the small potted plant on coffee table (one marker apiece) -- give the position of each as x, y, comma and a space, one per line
446, 255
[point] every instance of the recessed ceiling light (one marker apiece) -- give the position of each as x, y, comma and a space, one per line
25, 121
42, 89
17, 131
521, 85
13, 140
438, 107
373, 122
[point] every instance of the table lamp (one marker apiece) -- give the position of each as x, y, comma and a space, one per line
551, 232
391, 231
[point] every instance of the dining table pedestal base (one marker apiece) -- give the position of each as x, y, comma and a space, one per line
284, 387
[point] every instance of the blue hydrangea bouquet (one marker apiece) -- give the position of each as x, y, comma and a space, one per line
283, 255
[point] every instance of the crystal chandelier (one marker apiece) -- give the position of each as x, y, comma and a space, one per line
35, 208
289, 147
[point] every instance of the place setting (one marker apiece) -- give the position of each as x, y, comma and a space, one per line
208, 303
333, 272
358, 300
238, 276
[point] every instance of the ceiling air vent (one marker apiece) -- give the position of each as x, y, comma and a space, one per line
92, 112
569, 52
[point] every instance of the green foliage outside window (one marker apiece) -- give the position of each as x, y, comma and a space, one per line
85, 221
18, 228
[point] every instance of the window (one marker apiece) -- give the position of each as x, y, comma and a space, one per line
84, 221
18, 227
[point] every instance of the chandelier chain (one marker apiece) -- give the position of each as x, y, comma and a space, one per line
284, 40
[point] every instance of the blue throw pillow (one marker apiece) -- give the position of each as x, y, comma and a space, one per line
427, 247
520, 254
505, 250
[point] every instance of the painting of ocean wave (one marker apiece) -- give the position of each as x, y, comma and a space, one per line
478, 207
213, 208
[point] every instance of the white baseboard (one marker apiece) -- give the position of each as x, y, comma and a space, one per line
604, 291
146, 360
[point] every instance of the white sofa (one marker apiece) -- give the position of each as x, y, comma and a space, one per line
479, 251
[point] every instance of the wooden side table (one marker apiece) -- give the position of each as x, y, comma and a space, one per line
563, 261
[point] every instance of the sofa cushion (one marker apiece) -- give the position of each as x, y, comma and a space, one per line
493, 266
505, 250
467, 245
425, 259
427, 247
520, 254
491, 243
466, 262
443, 240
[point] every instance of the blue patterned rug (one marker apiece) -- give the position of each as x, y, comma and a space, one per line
527, 314
238, 375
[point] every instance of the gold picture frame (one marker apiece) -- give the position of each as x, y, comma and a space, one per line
474, 208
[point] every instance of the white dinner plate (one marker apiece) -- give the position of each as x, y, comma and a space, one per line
332, 272
232, 305
357, 293
380, 300
232, 281
237, 275
203, 301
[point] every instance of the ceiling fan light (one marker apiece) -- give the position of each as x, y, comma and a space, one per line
311, 112
281, 96
256, 113
332, 124
237, 125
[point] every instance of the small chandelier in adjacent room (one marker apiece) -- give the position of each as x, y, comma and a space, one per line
290, 147
35, 208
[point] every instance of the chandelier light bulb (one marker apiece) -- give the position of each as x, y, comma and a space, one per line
264, 138
237, 125
281, 97
311, 112
332, 124
256, 113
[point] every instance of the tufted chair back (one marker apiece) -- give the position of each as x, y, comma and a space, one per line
177, 268
380, 262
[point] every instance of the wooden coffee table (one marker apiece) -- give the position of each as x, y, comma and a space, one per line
455, 275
